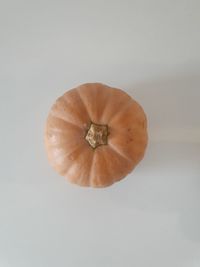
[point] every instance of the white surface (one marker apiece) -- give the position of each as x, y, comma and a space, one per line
149, 48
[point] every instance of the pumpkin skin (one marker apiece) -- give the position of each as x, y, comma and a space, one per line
82, 109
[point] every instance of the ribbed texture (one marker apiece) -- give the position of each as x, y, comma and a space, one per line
72, 156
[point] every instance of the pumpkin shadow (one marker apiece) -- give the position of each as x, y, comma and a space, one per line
168, 179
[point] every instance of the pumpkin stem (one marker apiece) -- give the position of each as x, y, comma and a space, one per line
97, 135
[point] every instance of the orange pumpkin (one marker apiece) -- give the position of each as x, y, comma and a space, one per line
95, 135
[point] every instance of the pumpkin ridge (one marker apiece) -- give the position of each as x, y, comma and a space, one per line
83, 102
77, 96
65, 169
113, 147
83, 179
56, 129
121, 110
106, 166
107, 102
57, 145
59, 131
91, 170
67, 121
65, 155
98, 178
67, 172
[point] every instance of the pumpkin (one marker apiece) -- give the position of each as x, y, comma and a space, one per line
95, 135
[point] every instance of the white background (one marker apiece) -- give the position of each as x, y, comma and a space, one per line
149, 48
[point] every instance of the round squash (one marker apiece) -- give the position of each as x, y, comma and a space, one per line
95, 135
